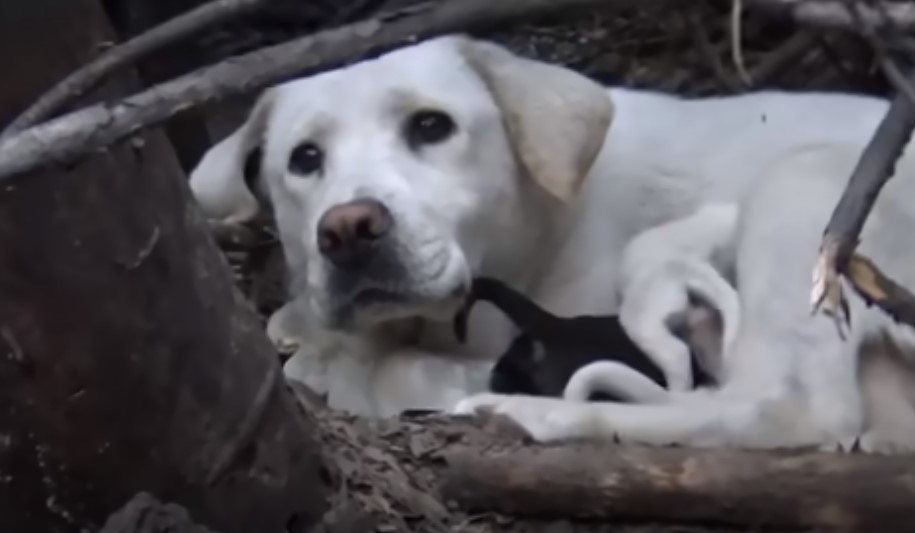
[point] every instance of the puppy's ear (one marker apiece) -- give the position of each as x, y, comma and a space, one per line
219, 182
556, 118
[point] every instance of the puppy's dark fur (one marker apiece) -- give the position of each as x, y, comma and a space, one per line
565, 345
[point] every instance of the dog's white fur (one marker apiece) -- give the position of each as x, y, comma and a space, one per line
661, 268
491, 195
470, 206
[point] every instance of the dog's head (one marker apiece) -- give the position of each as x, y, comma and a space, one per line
394, 180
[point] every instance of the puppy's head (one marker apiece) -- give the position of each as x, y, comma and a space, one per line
394, 180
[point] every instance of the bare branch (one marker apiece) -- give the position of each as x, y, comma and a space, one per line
704, 43
898, 79
737, 42
874, 170
90, 75
879, 15
64, 139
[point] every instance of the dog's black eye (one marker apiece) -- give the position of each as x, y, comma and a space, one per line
428, 127
306, 159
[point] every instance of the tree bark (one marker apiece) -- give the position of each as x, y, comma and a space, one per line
755, 490
127, 361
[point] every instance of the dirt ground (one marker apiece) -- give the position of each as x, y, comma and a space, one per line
672, 47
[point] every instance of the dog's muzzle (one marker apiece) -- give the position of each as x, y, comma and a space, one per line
350, 235
377, 272
364, 267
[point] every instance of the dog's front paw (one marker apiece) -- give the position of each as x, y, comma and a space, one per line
544, 419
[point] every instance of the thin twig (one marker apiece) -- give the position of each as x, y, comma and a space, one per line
880, 15
704, 43
16, 352
126, 54
898, 79
773, 63
246, 431
144, 252
64, 139
737, 42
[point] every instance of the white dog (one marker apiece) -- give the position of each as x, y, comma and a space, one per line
394, 180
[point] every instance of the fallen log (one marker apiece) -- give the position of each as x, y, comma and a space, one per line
756, 491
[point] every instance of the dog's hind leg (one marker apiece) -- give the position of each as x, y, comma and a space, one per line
645, 313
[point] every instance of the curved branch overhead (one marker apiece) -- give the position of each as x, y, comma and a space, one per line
62, 140
126, 54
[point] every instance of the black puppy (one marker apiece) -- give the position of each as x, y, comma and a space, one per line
541, 360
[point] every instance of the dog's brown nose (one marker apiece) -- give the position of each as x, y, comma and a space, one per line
347, 233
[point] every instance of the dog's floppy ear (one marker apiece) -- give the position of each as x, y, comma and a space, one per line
219, 182
557, 119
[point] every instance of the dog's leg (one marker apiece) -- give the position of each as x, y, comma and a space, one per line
695, 418
645, 311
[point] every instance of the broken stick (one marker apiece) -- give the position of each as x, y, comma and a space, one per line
874, 170
878, 289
